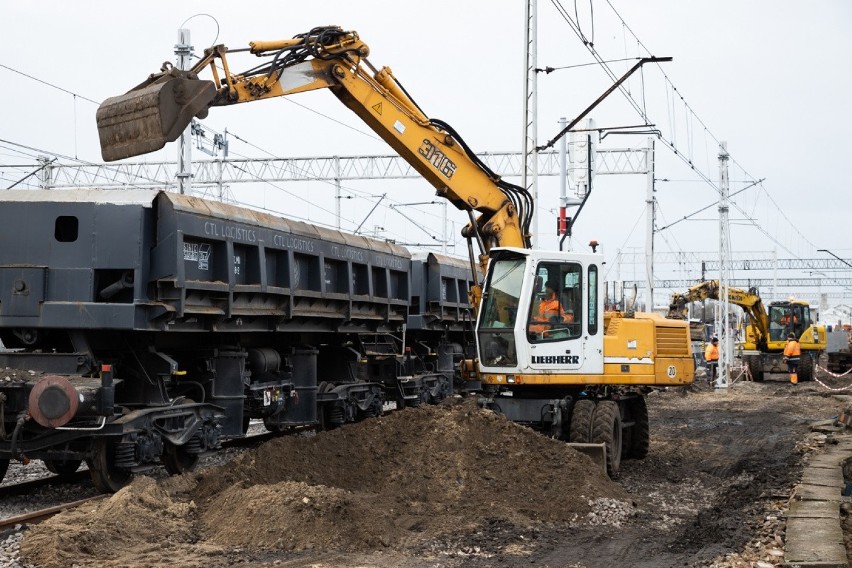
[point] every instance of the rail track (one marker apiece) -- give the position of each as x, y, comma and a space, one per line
43, 514
16, 522
82, 475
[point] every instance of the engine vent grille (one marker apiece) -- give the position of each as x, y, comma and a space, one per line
672, 342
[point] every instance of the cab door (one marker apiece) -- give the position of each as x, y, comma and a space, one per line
562, 329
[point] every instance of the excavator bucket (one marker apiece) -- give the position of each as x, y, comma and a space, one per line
150, 115
595, 451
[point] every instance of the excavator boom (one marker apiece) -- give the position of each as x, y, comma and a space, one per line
748, 300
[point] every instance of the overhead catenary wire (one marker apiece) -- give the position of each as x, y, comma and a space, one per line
695, 116
670, 142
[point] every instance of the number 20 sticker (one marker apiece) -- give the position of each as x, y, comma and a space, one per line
671, 371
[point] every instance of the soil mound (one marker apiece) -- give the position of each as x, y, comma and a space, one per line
141, 525
388, 483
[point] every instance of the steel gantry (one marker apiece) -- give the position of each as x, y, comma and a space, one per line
211, 173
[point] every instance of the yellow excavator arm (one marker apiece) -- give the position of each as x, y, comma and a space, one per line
158, 110
749, 301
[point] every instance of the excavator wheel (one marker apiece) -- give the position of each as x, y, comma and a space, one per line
606, 429
581, 422
755, 367
806, 368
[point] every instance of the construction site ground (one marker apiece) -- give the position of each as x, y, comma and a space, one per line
458, 486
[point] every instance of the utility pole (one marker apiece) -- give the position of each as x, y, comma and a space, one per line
183, 51
563, 184
337, 190
649, 235
529, 177
444, 221
223, 157
725, 351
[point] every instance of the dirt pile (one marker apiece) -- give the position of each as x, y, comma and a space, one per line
141, 525
389, 483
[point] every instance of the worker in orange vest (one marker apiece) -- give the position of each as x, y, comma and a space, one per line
550, 310
711, 357
792, 355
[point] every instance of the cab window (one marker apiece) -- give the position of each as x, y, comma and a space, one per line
593, 300
499, 313
556, 309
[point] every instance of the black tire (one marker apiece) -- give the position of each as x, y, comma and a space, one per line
581, 422
755, 367
105, 475
606, 429
640, 433
177, 460
4, 467
63, 468
806, 368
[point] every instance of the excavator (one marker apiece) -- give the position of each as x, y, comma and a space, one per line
583, 380
766, 333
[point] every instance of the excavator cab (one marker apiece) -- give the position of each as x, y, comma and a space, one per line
541, 313
786, 318
152, 113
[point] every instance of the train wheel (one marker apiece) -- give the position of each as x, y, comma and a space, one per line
177, 460
273, 427
62, 468
105, 475
606, 429
581, 422
323, 409
640, 435
4, 466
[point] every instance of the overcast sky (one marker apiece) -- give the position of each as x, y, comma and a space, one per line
771, 78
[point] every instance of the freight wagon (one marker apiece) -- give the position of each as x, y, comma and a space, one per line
144, 328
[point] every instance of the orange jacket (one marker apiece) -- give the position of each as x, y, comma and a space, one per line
792, 349
550, 308
711, 353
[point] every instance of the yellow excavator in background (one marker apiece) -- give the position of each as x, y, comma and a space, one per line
766, 332
581, 380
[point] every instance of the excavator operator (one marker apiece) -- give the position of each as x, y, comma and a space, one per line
550, 309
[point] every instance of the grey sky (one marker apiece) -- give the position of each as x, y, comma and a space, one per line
769, 77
